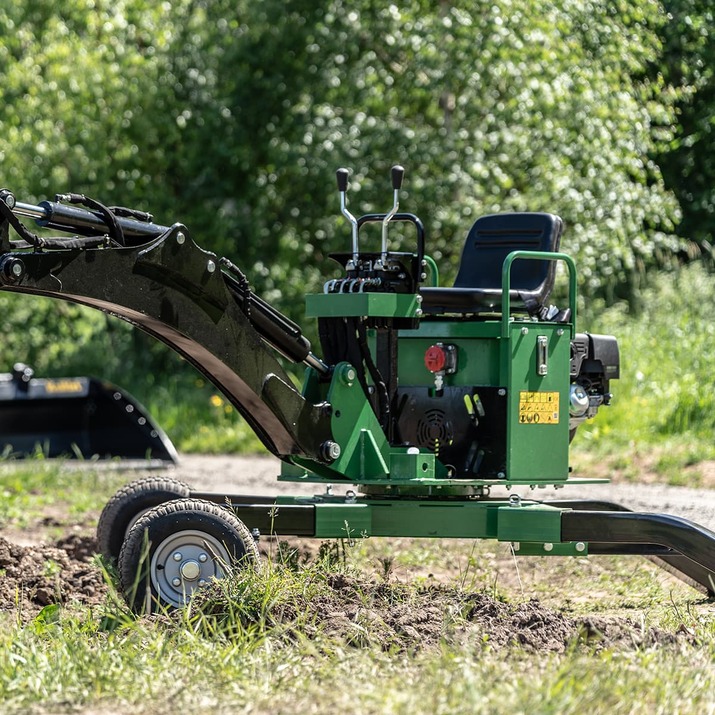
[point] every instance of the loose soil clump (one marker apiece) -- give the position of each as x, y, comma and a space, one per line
404, 618
36, 576
360, 611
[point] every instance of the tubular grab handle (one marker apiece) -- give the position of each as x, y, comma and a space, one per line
538, 256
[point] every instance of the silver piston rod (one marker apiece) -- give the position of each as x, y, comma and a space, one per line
84, 222
281, 333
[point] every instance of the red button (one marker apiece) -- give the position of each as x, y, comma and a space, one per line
435, 358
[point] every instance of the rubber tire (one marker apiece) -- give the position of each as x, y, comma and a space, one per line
159, 526
128, 504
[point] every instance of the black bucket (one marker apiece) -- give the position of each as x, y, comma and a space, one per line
76, 418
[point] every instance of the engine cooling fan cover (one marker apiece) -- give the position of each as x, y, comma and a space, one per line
434, 430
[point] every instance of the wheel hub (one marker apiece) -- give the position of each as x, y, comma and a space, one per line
184, 562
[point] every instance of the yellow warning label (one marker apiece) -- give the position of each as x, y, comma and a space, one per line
538, 408
63, 385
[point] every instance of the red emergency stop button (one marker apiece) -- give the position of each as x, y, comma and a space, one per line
435, 358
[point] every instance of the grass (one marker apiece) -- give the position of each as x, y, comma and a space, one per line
31, 490
667, 363
662, 417
250, 648
151, 669
314, 634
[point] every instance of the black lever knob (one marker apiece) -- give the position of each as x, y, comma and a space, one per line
342, 176
398, 173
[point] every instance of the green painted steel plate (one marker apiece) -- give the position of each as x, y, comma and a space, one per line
338, 305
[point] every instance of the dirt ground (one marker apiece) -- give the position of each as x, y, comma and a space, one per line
38, 572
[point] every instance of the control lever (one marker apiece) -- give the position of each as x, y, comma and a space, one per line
342, 177
397, 173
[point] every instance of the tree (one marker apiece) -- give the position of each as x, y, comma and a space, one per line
686, 161
233, 116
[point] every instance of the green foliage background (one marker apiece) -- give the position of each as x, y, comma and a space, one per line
232, 117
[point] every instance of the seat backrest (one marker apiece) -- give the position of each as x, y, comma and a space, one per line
492, 238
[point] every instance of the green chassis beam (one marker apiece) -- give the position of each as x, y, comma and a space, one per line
532, 528
331, 517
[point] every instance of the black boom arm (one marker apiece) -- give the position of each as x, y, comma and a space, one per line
156, 278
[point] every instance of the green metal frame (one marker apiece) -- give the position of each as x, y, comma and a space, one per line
501, 352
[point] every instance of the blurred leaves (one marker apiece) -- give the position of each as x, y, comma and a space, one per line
232, 117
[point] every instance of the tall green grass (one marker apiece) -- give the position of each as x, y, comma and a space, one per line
667, 386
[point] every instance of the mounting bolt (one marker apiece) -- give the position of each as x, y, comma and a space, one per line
180, 237
515, 500
8, 200
525, 331
548, 547
12, 270
350, 497
501, 392
580, 546
210, 266
348, 375
331, 450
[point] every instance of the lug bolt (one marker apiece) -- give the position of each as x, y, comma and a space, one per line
176, 582
203, 558
177, 556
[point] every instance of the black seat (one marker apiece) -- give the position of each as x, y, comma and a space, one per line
477, 288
